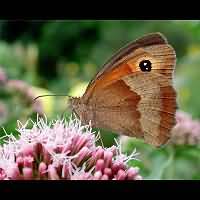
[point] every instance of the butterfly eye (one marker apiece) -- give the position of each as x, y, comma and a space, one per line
145, 66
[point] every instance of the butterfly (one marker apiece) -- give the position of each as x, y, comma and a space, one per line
133, 93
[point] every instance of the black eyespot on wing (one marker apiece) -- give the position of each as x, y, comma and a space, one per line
145, 65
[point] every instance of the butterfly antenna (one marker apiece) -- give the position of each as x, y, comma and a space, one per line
49, 95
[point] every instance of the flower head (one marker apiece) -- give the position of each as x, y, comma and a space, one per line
27, 92
62, 150
186, 131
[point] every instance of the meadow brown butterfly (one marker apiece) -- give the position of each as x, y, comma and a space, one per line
133, 93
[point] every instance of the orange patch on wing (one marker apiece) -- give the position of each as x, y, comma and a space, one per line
110, 77
115, 75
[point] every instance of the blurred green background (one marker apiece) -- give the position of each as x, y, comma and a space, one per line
60, 57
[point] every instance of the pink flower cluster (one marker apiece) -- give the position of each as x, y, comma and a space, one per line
186, 131
62, 150
22, 88
27, 92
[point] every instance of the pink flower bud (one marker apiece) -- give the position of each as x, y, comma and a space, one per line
121, 175
82, 155
99, 165
13, 172
115, 167
42, 169
80, 143
28, 173
28, 161
108, 158
97, 175
99, 153
108, 171
132, 172
27, 150
104, 177
52, 173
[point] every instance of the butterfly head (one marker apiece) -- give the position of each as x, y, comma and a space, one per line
80, 110
74, 105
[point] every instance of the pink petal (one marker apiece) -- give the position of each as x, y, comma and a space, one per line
13, 172
131, 173
28, 173
104, 177
42, 169
80, 143
52, 173
108, 171
121, 175
28, 161
108, 158
115, 168
27, 150
99, 165
82, 155
99, 154
97, 175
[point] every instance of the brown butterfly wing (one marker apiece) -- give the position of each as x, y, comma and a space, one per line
128, 101
115, 108
157, 105
126, 61
147, 40
140, 105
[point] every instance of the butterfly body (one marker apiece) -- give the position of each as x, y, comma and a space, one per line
133, 93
